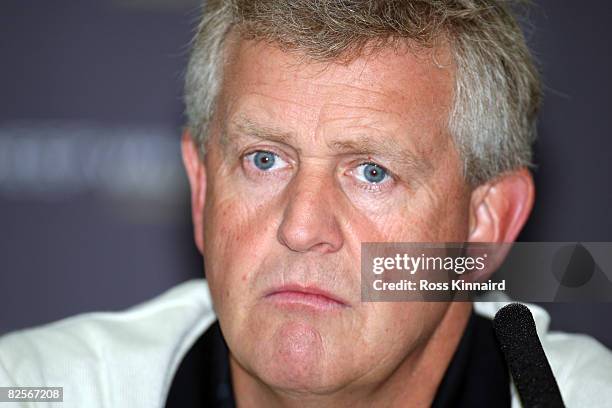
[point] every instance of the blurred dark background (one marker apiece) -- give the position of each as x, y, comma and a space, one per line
94, 211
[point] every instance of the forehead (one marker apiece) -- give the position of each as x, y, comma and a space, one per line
389, 89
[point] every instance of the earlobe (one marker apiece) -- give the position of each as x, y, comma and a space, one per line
500, 208
196, 174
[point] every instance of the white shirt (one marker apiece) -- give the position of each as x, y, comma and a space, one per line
128, 359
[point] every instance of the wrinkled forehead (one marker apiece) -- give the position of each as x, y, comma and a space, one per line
393, 90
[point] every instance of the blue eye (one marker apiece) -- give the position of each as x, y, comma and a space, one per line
371, 173
266, 161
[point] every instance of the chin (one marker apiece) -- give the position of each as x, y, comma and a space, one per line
293, 356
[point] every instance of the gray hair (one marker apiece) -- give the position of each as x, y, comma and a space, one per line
497, 90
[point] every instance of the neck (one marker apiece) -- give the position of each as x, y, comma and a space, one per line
413, 383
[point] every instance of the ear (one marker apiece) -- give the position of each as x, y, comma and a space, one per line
498, 211
196, 173
499, 208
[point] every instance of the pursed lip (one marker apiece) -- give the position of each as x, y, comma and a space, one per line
313, 296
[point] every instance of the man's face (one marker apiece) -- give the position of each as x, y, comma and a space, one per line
305, 162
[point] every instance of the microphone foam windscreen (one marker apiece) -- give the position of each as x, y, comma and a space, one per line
516, 332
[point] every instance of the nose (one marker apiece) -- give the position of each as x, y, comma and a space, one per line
309, 223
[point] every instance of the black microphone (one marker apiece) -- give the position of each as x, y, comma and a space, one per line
516, 332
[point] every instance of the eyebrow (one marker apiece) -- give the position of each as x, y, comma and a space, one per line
246, 127
364, 145
381, 146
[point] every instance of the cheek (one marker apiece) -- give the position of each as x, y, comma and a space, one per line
235, 236
427, 215
440, 212
450, 217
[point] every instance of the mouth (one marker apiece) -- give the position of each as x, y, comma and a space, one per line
305, 296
